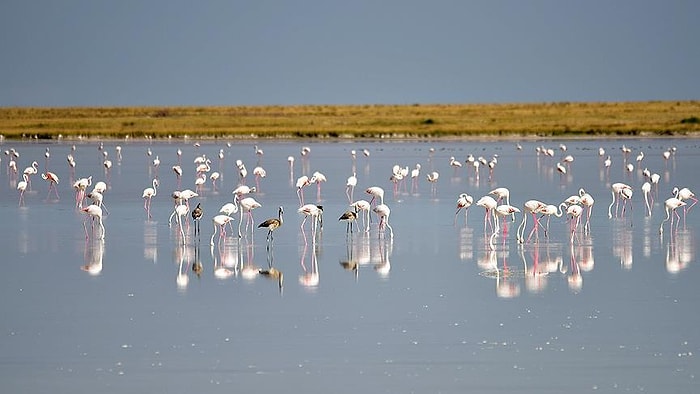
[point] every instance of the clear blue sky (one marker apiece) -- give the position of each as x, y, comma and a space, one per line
172, 52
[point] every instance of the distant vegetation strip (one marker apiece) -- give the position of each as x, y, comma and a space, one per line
559, 119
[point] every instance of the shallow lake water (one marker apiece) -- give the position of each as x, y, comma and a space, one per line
435, 308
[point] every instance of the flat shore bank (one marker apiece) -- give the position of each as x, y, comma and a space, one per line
463, 121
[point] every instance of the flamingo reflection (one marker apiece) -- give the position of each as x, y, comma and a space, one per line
93, 255
309, 278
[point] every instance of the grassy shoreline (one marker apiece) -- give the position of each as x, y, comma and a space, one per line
516, 120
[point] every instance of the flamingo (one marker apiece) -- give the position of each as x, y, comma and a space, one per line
246, 206
178, 174
302, 181
242, 190
671, 204
22, 186
273, 224
148, 194
574, 211
199, 183
317, 178
383, 212
377, 193
587, 201
415, 173
350, 186
315, 212
433, 178
53, 181
646, 189
617, 190
488, 203
501, 212
364, 206
94, 212
551, 210
463, 202
214, 177
532, 207
685, 194
98, 199
219, 222
80, 186
29, 171
502, 193
259, 172
181, 212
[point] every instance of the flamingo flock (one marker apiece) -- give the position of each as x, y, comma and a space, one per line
499, 211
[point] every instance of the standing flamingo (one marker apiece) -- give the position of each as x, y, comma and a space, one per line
488, 203
178, 174
318, 178
364, 206
315, 212
148, 194
53, 181
350, 186
219, 222
574, 211
259, 172
648, 197
302, 182
22, 186
181, 212
551, 210
377, 193
685, 194
463, 202
246, 206
29, 171
532, 207
433, 178
415, 173
619, 190
587, 202
94, 212
502, 193
671, 205
383, 212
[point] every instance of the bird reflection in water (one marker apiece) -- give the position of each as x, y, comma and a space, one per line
505, 276
249, 270
150, 241
182, 256
272, 272
225, 260
93, 255
574, 278
680, 251
349, 263
536, 275
622, 243
309, 278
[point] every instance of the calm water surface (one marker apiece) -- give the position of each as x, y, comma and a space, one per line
433, 309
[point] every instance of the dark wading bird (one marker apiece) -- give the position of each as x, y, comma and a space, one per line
272, 224
350, 218
196, 217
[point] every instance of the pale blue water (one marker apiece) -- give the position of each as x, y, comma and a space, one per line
426, 312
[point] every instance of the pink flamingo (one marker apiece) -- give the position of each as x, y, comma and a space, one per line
463, 202
94, 212
147, 195
53, 181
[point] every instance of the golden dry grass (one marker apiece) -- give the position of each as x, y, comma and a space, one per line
564, 119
